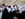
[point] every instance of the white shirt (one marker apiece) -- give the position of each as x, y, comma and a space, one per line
9, 9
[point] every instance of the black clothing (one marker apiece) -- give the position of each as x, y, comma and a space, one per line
22, 15
4, 14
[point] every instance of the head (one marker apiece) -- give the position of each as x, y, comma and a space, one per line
14, 5
9, 6
23, 12
3, 5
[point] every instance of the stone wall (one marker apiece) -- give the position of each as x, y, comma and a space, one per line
11, 2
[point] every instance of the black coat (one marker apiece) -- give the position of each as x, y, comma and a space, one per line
4, 14
22, 15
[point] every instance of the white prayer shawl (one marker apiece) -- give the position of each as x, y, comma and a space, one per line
14, 8
20, 7
1, 9
23, 8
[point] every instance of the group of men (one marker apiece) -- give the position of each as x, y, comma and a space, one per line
9, 13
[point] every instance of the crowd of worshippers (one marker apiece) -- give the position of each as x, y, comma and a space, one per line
9, 15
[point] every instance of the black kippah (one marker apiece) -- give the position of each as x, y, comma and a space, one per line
9, 6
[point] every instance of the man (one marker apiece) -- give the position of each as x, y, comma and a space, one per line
9, 8
14, 9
